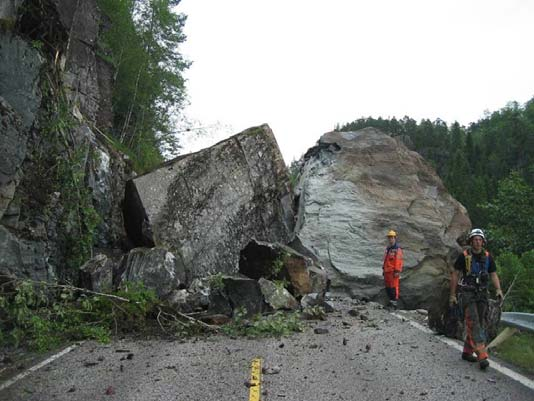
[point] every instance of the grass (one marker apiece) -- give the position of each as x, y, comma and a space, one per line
518, 350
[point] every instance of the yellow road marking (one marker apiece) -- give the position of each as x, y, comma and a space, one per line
255, 380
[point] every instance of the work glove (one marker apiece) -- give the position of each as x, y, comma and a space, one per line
396, 274
453, 300
500, 295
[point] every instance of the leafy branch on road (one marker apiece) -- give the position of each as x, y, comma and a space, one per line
278, 324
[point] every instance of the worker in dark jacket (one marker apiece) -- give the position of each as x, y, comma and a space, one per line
392, 268
473, 270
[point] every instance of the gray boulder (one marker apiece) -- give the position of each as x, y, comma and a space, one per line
156, 268
195, 298
277, 297
353, 187
234, 293
244, 293
97, 273
206, 206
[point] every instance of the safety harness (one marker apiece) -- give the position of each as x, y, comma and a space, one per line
476, 272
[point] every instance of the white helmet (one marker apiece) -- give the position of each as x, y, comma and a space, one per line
477, 232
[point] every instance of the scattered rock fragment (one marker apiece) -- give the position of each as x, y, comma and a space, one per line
273, 370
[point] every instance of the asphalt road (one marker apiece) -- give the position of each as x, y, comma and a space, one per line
383, 358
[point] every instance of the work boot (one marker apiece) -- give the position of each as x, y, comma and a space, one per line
393, 304
484, 363
466, 356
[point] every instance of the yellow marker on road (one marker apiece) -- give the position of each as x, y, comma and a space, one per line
255, 380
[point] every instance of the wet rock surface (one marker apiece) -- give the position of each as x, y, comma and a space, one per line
379, 359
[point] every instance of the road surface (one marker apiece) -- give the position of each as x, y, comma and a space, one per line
381, 358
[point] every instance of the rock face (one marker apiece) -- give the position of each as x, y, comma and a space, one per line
19, 77
354, 186
206, 206
8, 9
48, 141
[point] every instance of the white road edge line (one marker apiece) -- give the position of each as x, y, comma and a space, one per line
495, 365
38, 366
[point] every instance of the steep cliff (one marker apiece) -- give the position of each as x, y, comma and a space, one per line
61, 181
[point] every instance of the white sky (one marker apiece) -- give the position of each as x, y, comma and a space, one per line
303, 66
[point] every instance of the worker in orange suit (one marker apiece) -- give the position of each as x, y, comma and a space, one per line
392, 268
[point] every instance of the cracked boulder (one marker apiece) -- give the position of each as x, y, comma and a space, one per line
353, 188
206, 206
156, 268
97, 273
276, 296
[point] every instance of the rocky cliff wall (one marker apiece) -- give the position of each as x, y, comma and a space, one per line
61, 181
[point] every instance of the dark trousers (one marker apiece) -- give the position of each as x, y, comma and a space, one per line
475, 305
392, 284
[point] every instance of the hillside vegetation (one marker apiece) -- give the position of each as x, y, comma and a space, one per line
142, 41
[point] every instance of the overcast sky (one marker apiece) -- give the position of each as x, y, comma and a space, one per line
303, 66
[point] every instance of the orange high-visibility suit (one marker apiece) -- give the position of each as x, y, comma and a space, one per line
392, 267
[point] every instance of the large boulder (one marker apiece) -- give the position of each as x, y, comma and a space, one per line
157, 268
206, 206
353, 187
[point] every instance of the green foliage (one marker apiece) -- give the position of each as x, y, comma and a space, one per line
315, 312
79, 219
277, 266
66, 177
518, 350
41, 317
511, 215
216, 281
294, 173
37, 44
517, 273
276, 325
142, 42
281, 284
